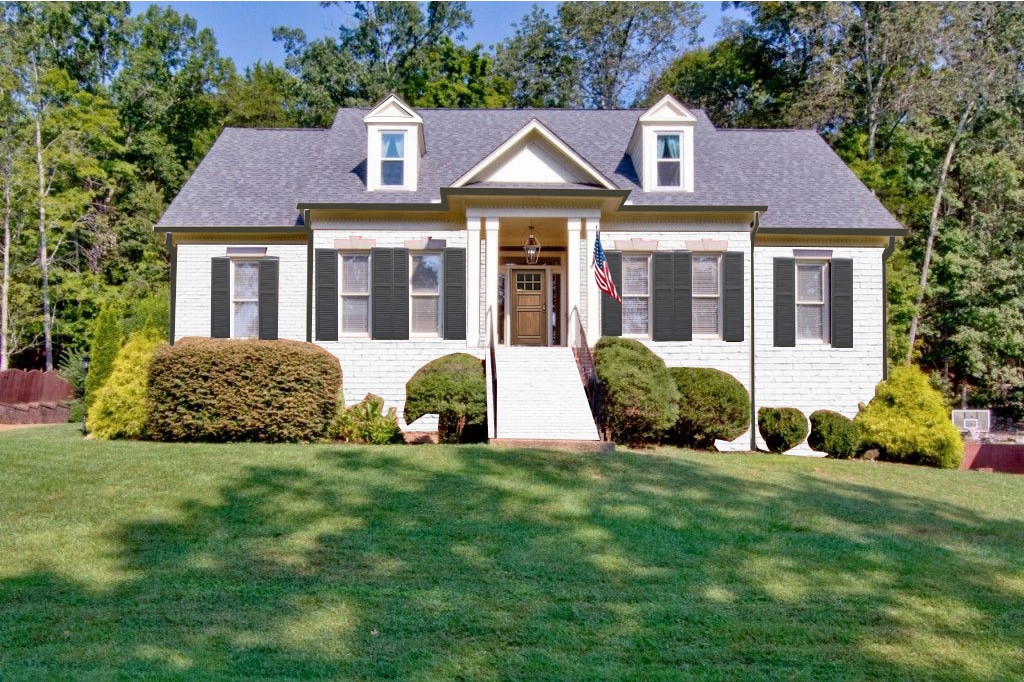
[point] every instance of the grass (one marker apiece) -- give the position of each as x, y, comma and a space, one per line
152, 561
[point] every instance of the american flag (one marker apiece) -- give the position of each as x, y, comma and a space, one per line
601, 273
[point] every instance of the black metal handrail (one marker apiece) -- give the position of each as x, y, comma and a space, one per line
588, 371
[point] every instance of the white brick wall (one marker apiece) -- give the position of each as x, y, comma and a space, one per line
192, 302
812, 376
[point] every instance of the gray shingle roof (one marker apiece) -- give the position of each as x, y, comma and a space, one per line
255, 177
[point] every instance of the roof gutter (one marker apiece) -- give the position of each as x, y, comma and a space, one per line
885, 306
754, 226
856, 232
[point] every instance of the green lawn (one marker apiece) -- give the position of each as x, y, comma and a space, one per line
138, 560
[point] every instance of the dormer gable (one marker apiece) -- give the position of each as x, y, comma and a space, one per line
534, 155
394, 145
661, 147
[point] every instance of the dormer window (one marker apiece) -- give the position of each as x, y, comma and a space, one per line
392, 159
669, 160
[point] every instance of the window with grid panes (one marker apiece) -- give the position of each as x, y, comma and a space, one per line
707, 295
812, 301
425, 292
636, 294
355, 293
246, 299
392, 155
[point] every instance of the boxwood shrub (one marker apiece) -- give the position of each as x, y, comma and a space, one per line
233, 390
907, 421
454, 388
781, 427
639, 398
118, 409
712, 405
834, 434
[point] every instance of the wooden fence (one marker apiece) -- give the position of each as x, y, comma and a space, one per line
1003, 457
33, 397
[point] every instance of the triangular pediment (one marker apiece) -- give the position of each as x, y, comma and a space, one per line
534, 155
668, 110
392, 110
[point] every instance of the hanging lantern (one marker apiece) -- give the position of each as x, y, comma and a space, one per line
532, 248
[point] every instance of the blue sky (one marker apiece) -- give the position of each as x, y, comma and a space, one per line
243, 28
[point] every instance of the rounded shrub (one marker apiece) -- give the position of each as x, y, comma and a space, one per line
119, 407
454, 388
907, 421
833, 433
639, 398
781, 427
234, 390
712, 405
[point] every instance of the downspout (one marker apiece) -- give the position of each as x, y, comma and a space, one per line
753, 410
172, 254
885, 307
309, 275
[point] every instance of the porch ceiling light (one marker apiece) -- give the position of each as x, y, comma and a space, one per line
532, 248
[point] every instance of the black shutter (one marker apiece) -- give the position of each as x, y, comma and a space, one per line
842, 302
400, 293
663, 295
326, 295
220, 298
682, 299
732, 296
784, 288
381, 273
454, 294
672, 299
268, 299
611, 310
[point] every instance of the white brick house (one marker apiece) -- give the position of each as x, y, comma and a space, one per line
396, 237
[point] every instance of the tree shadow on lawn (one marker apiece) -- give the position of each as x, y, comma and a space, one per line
534, 565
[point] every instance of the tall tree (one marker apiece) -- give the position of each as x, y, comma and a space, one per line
537, 65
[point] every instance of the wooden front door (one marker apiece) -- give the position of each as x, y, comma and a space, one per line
529, 293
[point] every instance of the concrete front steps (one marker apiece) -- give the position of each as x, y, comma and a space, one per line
541, 401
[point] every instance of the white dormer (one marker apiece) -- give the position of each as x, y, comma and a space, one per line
394, 141
662, 147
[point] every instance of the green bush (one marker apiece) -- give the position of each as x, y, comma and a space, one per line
151, 311
119, 408
712, 405
452, 387
907, 421
69, 367
233, 390
639, 398
365, 423
106, 341
833, 433
781, 427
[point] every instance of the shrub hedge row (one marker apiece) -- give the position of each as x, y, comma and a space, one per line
233, 390
713, 405
639, 398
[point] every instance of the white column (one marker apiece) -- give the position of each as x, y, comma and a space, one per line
593, 293
572, 269
472, 282
491, 312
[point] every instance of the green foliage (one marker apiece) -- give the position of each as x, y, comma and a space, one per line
365, 422
712, 405
782, 428
833, 433
151, 312
907, 421
231, 390
639, 398
452, 387
106, 341
70, 368
119, 409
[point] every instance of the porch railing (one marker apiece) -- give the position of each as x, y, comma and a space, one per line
585, 363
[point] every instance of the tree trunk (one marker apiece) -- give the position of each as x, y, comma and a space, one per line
933, 227
44, 256
5, 283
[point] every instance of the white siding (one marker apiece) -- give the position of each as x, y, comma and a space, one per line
192, 302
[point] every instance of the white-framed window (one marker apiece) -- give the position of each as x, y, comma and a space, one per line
354, 289
425, 294
245, 299
636, 295
668, 157
707, 295
812, 313
392, 159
